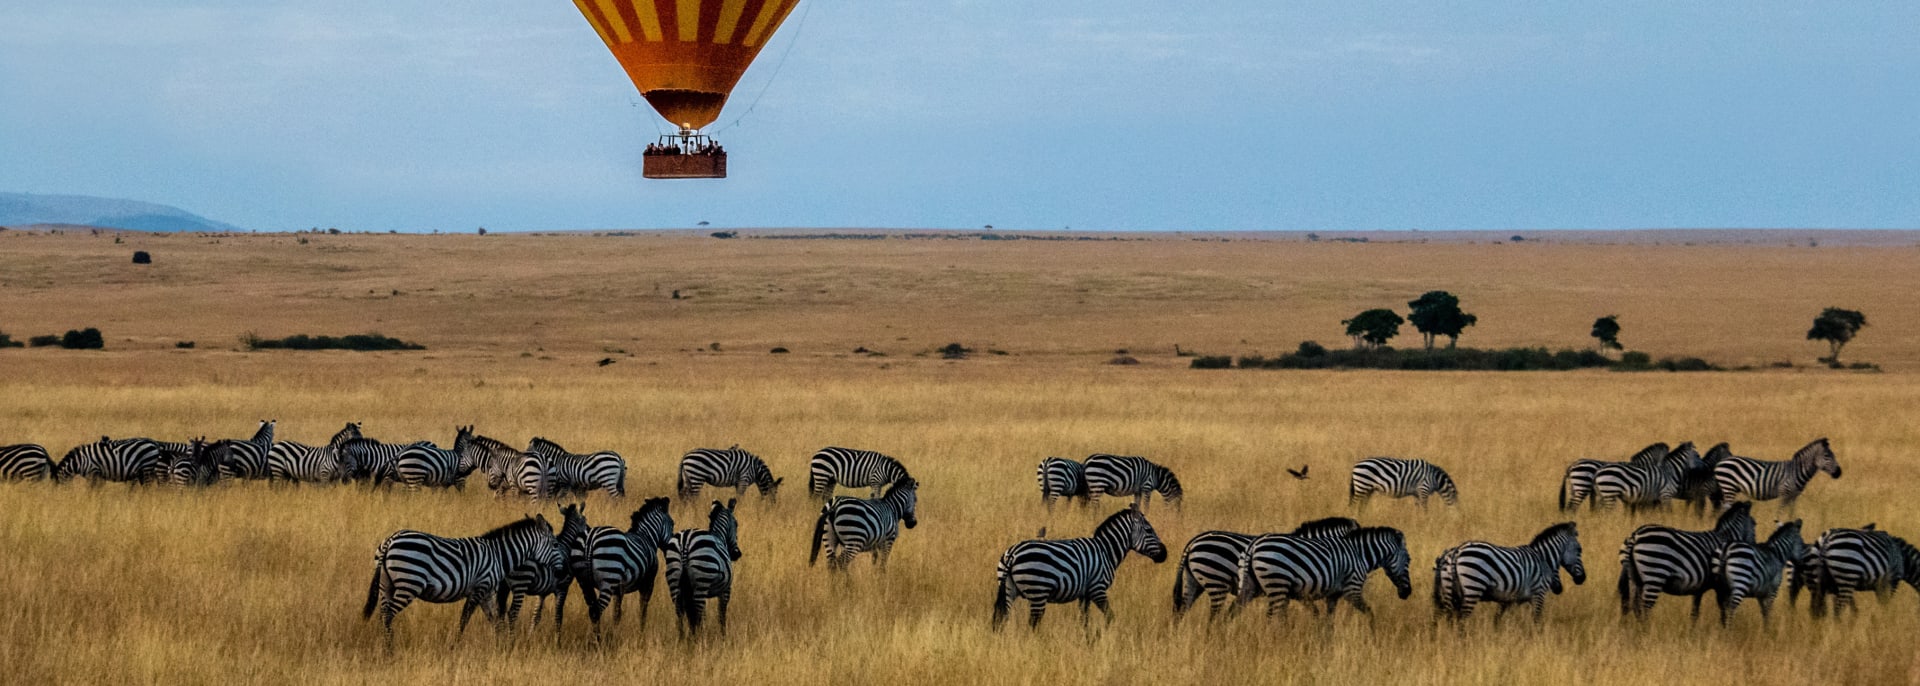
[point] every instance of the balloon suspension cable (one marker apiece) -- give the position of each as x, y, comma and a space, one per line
802, 25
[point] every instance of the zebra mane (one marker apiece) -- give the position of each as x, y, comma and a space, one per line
524, 524
1650, 454
647, 508
540, 443
1811, 452
1373, 531
491, 445
1717, 453
1552, 531
1785, 529
1683, 455
1116, 518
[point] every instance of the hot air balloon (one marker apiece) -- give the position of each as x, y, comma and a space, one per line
685, 56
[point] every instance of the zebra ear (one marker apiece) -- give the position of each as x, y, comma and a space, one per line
731, 501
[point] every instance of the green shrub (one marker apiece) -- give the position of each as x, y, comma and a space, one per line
44, 341
1212, 362
84, 339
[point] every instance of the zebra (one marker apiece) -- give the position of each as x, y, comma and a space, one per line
610, 563
700, 566
1657, 559
1134, 476
1743, 570
852, 468
1399, 479
1697, 485
135, 460
1764, 480
195, 468
1477, 571
1645, 484
850, 526
1072, 569
25, 462
1577, 486
730, 467
373, 460
507, 469
245, 459
424, 464
412, 565
1062, 478
547, 571
1285, 568
1210, 563
299, 462
576, 472
1846, 561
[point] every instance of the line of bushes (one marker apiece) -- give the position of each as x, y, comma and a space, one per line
366, 341
82, 339
1312, 355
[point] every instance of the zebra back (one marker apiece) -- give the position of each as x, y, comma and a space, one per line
25, 462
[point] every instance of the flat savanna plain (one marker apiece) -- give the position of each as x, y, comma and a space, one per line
250, 583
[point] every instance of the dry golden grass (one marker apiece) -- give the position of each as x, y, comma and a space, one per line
243, 583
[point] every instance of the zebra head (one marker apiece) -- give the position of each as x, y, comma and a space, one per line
1820, 455
1386, 548
1911, 556
769, 486
1562, 542
720, 523
903, 496
347, 433
1130, 529
1169, 485
1736, 524
467, 449
652, 521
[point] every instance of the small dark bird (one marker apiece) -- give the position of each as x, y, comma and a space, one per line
604, 361
1043, 532
1300, 473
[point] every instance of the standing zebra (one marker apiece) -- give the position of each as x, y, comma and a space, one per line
1062, 478
413, 565
1763, 480
424, 464
1657, 559
1399, 479
1846, 561
700, 566
731, 467
1577, 486
25, 462
195, 468
850, 526
373, 460
1477, 571
1134, 476
134, 460
302, 463
851, 468
1072, 569
1645, 484
245, 459
610, 563
1210, 563
1743, 570
579, 473
507, 469
1285, 568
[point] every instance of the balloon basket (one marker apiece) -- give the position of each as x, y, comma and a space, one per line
708, 166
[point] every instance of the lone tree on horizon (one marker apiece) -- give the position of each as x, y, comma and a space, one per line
1437, 313
1607, 331
1836, 326
1373, 328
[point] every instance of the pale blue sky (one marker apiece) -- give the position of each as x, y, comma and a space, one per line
1108, 114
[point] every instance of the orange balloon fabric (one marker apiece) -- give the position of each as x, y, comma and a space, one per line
685, 56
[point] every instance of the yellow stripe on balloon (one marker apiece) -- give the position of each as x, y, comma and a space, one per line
595, 21
767, 13
649, 20
689, 15
613, 17
729, 20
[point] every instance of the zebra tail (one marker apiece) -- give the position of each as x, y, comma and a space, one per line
1002, 597
1565, 482
819, 530
1180, 587
1627, 572
1459, 593
373, 589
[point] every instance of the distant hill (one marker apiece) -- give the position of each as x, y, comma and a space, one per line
21, 209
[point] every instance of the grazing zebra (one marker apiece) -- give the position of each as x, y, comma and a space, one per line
134, 460
1285, 568
1577, 486
700, 566
1744, 570
850, 526
195, 468
245, 459
579, 473
1477, 571
1062, 478
25, 462
1399, 479
425, 464
1764, 480
1846, 561
411, 565
1644, 484
731, 467
851, 468
610, 563
1210, 563
1064, 570
1134, 476
547, 571
1657, 559
302, 463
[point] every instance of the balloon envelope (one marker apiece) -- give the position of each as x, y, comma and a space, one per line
685, 56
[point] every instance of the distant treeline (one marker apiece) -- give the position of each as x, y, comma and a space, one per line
1312, 355
366, 341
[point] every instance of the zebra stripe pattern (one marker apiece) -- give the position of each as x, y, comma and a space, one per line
1748, 570
245, 459
730, 468
507, 469
850, 526
1073, 569
1647, 483
1577, 486
1123, 475
1399, 478
1754, 479
610, 563
412, 565
1210, 563
1657, 559
426, 465
547, 571
1846, 561
700, 566
1062, 478
1477, 571
129, 459
25, 462
1286, 568
373, 460
197, 467
579, 473
302, 463
851, 468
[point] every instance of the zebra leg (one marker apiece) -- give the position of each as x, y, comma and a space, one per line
1766, 610
1539, 602
619, 606
646, 598
1697, 597
559, 609
466, 613
726, 596
1500, 616
1035, 608
1100, 601
880, 555
1086, 604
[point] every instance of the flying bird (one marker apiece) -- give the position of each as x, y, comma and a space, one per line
1300, 473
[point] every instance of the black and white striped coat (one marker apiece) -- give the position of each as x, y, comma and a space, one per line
729, 468
1477, 571
547, 571
424, 465
507, 469
1286, 568
1122, 475
413, 565
1210, 563
1843, 562
373, 460
579, 473
610, 563
1753, 570
246, 459
136, 460
1062, 478
850, 526
852, 468
196, 467
1642, 483
1745, 477
1072, 569
700, 566
302, 463
1399, 478
1577, 485
1657, 559
25, 462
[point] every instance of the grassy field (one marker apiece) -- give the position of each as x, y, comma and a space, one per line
250, 584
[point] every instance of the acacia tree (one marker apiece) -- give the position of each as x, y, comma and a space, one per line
1836, 326
1607, 331
1373, 328
1437, 313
